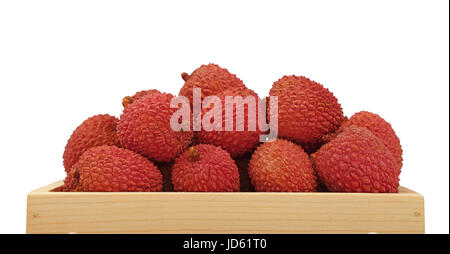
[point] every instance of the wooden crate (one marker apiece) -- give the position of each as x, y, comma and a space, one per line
177, 212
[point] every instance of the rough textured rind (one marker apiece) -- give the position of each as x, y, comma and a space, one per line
329, 136
211, 78
356, 161
205, 168
130, 99
237, 143
144, 127
311, 148
306, 110
380, 128
113, 169
71, 180
95, 131
281, 166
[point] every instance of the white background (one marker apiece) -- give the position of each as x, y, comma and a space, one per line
61, 62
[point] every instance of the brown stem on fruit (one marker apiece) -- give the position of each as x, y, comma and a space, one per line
185, 76
126, 101
74, 172
194, 155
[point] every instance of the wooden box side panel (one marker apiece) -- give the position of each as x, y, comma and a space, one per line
52, 212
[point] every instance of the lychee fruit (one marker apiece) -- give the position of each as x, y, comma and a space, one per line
144, 127
113, 169
380, 128
127, 100
356, 161
205, 168
306, 110
281, 166
95, 131
71, 180
211, 79
311, 148
237, 142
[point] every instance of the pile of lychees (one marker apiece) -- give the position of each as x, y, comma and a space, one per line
317, 148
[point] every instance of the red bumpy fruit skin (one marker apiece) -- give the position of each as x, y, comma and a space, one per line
211, 78
236, 142
144, 127
380, 128
282, 166
130, 99
113, 169
356, 161
311, 148
306, 110
205, 168
71, 180
95, 131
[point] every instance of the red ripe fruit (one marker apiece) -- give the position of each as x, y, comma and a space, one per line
95, 131
237, 142
380, 128
130, 99
211, 78
205, 168
144, 127
306, 110
71, 180
356, 161
281, 166
113, 169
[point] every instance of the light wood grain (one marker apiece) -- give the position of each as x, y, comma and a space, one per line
177, 212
